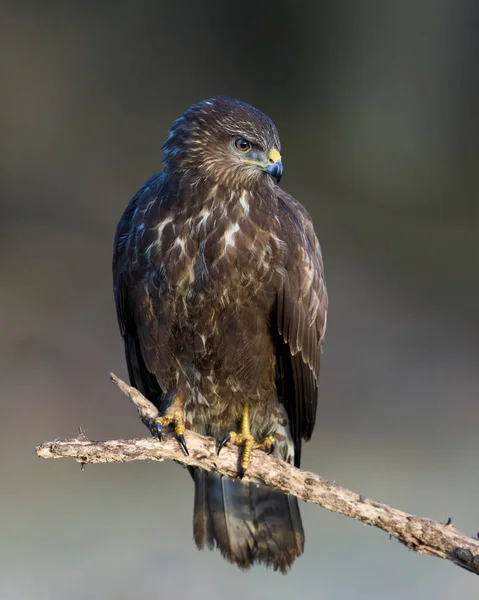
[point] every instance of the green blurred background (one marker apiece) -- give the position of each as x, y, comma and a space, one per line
377, 105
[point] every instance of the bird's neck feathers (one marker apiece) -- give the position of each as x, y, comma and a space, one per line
228, 177
192, 190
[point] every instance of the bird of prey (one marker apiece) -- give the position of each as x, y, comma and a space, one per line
221, 302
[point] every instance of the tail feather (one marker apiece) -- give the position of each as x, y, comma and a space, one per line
202, 525
249, 523
280, 536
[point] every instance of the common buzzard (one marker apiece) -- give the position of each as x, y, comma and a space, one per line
221, 301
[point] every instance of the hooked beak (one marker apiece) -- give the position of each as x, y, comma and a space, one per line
274, 166
275, 170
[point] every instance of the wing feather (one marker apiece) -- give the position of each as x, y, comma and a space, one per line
131, 300
301, 309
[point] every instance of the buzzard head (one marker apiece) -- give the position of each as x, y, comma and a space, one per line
227, 141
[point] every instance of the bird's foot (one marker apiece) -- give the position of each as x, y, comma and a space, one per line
175, 416
246, 441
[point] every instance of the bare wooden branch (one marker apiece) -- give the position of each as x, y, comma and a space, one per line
424, 536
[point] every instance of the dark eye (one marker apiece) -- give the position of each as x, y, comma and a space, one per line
242, 145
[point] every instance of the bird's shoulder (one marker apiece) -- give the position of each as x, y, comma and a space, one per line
304, 286
298, 228
134, 213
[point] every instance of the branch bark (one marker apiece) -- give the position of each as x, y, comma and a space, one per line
422, 535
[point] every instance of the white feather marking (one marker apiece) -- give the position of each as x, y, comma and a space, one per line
203, 216
201, 399
181, 243
230, 235
162, 225
244, 203
280, 244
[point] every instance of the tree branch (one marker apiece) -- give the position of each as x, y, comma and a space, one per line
424, 536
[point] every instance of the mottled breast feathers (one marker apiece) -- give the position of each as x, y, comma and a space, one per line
181, 240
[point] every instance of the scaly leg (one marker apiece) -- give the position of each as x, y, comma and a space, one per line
175, 416
246, 440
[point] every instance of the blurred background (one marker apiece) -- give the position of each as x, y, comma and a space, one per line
377, 104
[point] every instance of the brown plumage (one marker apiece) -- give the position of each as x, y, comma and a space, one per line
220, 295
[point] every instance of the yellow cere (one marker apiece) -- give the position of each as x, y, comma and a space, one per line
274, 156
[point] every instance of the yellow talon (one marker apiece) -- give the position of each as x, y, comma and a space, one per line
174, 416
246, 440
267, 443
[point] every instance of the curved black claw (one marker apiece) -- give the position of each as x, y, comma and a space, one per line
223, 443
155, 429
182, 443
241, 472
